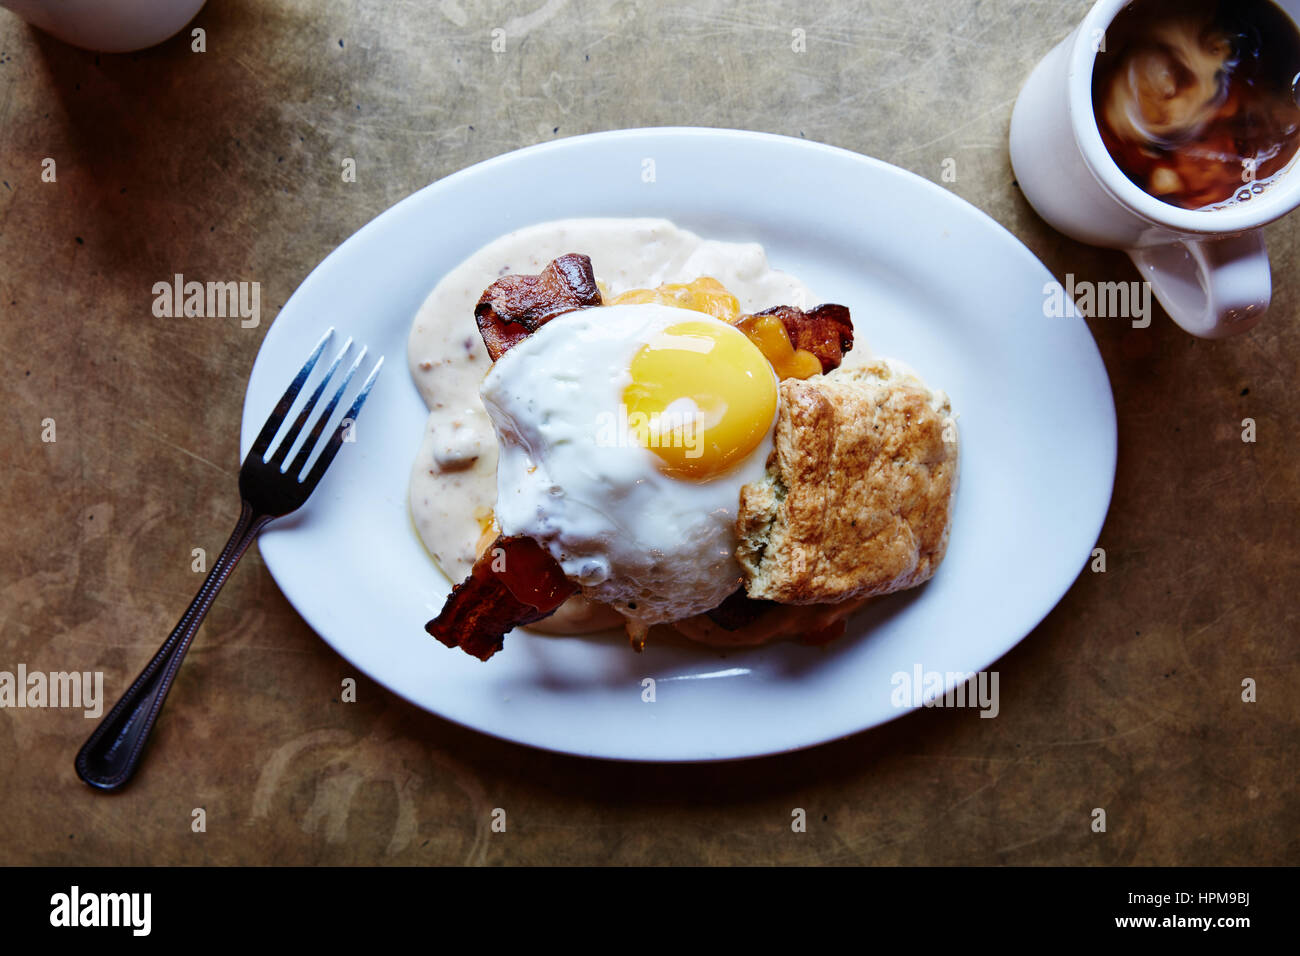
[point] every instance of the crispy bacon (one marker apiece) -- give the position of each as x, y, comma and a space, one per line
515, 306
514, 582
826, 331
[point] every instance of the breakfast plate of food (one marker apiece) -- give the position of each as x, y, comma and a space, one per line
707, 436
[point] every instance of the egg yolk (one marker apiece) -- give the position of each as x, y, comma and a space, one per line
706, 294
769, 334
702, 397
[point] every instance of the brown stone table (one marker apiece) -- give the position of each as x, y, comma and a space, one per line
226, 163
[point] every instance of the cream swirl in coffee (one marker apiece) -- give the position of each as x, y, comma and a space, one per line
1195, 99
1170, 87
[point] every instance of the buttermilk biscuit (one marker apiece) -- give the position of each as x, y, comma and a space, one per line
858, 493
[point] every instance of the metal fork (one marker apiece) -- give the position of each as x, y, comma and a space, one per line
267, 490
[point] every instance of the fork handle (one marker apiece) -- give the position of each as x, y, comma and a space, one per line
110, 756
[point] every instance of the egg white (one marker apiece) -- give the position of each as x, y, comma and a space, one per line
654, 547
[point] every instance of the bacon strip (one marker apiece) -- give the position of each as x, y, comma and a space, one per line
514, 582
826, 331
516, 306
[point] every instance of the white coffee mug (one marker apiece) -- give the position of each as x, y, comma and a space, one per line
113, 26
1208, 267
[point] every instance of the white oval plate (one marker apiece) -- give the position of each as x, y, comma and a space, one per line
929, 279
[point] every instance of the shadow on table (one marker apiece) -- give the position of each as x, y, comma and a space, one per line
159, 146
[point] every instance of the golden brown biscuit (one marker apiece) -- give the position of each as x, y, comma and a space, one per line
858, 493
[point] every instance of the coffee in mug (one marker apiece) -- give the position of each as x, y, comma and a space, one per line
1196, 100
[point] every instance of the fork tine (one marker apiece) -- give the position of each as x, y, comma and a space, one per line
276, 418
286, 444
336, 440
309, 445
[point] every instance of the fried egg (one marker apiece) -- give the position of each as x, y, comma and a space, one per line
626, 433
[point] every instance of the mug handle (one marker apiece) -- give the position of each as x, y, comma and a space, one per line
1212, 287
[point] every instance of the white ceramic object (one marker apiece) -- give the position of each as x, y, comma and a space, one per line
1208, 268
929, 279
112, 26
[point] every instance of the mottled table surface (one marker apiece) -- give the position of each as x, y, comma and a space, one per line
226, 163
